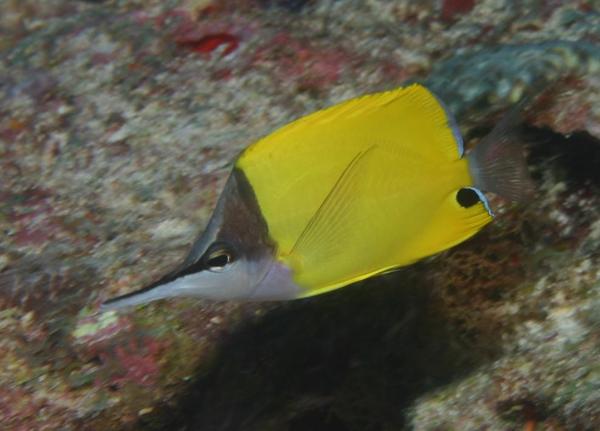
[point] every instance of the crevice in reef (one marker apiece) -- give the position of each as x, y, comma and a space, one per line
351, 360
574, 159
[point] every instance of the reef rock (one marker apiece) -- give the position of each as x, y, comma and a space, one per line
118, 121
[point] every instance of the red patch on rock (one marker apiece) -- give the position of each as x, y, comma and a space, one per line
32, 214
101, 58
134, 363
14, 128
32, 237
452, 8
311, 67
222, 74
565, 108
203, 36
210, 42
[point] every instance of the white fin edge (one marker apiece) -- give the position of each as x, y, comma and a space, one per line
460, 143
484, 200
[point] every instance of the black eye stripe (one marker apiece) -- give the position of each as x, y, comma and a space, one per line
216, 257
219, 259
193, 268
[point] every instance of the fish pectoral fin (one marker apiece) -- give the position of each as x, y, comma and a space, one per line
330, 226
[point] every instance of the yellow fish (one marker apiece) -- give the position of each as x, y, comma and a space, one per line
346, 193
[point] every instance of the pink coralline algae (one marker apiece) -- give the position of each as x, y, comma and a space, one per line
16, 414
125, 356
201, 35
210, 42
136, 362
32, 216
568, 111
12, 130
453, 8
310, 66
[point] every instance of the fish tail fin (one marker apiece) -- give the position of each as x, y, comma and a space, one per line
497, 164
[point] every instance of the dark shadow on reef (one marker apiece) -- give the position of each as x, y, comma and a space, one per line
349, 360
574, 158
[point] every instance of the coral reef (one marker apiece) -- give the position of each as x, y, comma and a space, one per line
118, 122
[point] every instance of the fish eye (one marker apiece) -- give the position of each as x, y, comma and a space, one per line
218, 259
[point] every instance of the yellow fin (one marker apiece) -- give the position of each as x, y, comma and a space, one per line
411, 112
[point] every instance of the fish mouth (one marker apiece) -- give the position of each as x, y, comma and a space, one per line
156, 290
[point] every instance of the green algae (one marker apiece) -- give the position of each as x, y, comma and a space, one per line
87, 329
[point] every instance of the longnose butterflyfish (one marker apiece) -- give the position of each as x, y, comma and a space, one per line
358, 189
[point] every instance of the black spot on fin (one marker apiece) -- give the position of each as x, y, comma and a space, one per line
470, 196
467, 197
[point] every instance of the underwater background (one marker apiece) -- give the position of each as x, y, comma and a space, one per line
119, 120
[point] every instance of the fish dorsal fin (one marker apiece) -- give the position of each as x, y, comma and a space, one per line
332, 220
411, 113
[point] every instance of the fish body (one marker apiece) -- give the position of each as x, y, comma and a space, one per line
363, 187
